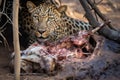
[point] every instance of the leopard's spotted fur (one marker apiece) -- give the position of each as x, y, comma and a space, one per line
51, 23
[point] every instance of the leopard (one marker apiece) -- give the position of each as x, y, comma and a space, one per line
47, 22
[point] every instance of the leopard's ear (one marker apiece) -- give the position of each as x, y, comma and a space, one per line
62, 8
30, 5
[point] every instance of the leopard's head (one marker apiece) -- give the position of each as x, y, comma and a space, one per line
45, 19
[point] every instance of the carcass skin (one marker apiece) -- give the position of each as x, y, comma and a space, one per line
50, 57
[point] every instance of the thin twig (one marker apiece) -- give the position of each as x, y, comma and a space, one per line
4, 6
6, 16
4, 24
5, 41
2, 30
99, 2
100, 27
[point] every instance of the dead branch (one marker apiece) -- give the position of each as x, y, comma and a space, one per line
1, 13
100, 27
5, 41
16, 39
4, 6
105, 31
3, 9
88, 14
1, 29
103, 17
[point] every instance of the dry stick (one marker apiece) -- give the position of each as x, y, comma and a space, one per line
105, 31
5, 41
88, 13
16, 39
94, 7
1, 29
4, 6
99, 27
1, 13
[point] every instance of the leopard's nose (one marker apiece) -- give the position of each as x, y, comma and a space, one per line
41, 31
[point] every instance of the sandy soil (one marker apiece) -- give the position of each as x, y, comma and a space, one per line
111, 9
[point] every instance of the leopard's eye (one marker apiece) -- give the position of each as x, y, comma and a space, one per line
35, 16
